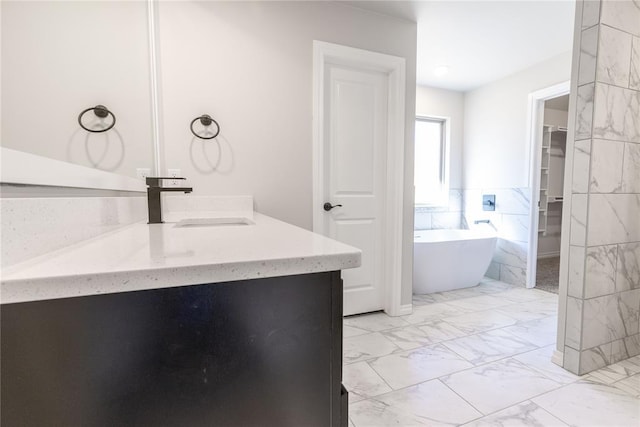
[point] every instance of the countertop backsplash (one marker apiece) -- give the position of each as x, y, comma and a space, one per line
34, 226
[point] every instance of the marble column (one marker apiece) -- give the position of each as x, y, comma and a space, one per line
603, 274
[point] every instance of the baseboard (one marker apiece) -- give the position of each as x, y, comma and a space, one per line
405, 309
401, 310
558, 358
549, 255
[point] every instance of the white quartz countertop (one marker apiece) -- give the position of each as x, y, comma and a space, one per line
142, 256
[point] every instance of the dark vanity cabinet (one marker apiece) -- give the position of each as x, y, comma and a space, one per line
263, 352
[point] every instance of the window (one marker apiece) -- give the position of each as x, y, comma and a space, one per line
431, 169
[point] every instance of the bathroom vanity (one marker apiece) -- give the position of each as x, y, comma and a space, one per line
211, 323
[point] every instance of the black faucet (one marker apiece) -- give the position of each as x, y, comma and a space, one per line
154, 188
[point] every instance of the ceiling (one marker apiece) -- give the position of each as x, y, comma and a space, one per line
481, 41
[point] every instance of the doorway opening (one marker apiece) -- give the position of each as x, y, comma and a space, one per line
549, 123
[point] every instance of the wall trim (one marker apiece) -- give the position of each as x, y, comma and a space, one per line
394, 66
558, 358
404, 310
535, 117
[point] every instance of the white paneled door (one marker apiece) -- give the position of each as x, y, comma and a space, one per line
355, 140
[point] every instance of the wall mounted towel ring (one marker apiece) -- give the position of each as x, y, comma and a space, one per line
100, 111
205, 120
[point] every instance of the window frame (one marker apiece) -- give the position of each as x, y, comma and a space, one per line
445, 146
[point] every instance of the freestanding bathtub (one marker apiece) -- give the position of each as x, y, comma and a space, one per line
444, 260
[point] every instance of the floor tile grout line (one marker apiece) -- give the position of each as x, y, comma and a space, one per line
527, 399
541, 372
462, 370
461, 397
381, 377
443, 341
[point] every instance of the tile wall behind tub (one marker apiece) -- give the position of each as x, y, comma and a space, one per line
511, 222
448, 217
603, 303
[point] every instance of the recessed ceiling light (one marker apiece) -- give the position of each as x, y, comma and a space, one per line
441, 70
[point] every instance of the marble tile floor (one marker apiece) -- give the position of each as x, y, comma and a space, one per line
478, 357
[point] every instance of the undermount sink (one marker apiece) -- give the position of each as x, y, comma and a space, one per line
214, 222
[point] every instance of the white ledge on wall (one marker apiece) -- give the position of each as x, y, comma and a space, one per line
23, 168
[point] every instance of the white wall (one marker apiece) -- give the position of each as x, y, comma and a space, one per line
496, 150
446, 103
496, 160
556, 117
249, 65
59, 58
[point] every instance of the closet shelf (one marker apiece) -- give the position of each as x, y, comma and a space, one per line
551, 165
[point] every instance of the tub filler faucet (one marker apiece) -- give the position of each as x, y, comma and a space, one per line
154, 204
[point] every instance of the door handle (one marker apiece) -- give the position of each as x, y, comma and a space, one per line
328, 206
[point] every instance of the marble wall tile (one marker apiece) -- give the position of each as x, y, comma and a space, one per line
628, 267
472, 200
631, 168
634, 73
609, 318
576, 271
571, 360
624, 15
513, 275
422, 221
445, 220
578, 231
588, 51
454, 204
494, 218
511, 253
595, 358
511, 200
581, 164
515, 227
616, 115
584, 111
613, 218
590, 13
600, 271
628, 309
493, 271
625, 348
455, 200
574, 323
449, 216
606, 166
508, 200
614, 56
632, 345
